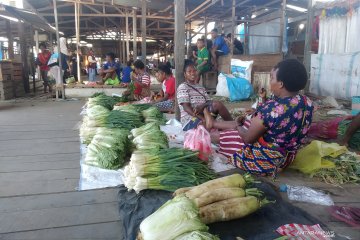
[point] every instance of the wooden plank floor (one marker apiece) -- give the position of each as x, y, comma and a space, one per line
39, 174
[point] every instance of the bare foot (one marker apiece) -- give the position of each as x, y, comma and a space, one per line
208, 119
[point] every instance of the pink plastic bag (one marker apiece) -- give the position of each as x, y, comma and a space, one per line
198, 140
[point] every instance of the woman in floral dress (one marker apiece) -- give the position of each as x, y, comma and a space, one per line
269, 141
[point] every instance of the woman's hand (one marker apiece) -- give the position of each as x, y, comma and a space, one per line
240, 120
262, 93
199, 109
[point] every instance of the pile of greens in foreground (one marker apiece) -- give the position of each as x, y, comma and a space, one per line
165, 169
177, 219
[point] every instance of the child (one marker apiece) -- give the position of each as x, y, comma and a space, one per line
202, 57
126, 72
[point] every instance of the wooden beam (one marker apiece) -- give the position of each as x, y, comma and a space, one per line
202, 9
232, 27
10, 40
36, 54
134, 35
202, 5
143, 30
58, 48
206, 31
127, 37
282, 24
24, 56
77, 31
103, 15
97, 11
308, 38
179, 46
51, 7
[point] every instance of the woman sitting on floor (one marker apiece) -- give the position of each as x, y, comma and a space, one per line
269, 142
166, 99
110, 72
142, 82
193, 99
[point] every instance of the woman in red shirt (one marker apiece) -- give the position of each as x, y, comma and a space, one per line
42, 62
166, 102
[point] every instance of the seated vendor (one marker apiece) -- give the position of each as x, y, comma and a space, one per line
110, 72
193, 99
142, 82
126, 74
219, 48
269, 142
354, 128
166, 99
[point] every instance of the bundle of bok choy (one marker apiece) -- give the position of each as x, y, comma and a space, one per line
176, 219
225, 198
108, 149
165, 169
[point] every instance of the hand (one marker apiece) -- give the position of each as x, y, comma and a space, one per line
199, 109
240, 120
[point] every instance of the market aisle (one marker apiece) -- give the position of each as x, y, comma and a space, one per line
39, 174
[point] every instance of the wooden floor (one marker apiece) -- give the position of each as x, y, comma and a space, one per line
39, 174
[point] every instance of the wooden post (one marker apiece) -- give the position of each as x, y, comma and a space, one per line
10, 40
282, 24
206, 31
246, 38
59, 52
232, 28
308, 37
188, 41
123, 47
36, 53
120, 46
77, 32
24, 56
134, 36
143, 31
127, 36
179, 46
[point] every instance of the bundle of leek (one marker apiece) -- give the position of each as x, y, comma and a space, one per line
165, 169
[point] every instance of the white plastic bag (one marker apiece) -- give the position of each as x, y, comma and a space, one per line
222, 88
241, 68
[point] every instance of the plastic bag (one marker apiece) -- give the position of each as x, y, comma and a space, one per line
310, 158
239, 88
306, 194
198, 140
241, 68
222, 89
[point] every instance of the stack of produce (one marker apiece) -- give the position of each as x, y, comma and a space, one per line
153, 114
149, 137
102, 99
165, 169
346, 170
177, 219
108, 148
91, 121
224, 199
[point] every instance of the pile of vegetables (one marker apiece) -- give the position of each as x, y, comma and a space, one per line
165, 169
177, 219
354, 142
102, 99
224, 199
346, 170
153, 114
108, 149
149, 137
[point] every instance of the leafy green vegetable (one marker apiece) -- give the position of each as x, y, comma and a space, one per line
153, 114
354, 142
148, 127
102, 100
165, 169
121, 119
174, 218
108, 149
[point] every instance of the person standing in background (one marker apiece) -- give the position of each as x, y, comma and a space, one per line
219, 48
64, 56
238, 47
202, 62
42, 62
92, 66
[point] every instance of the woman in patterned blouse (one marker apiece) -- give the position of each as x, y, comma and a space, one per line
269, 141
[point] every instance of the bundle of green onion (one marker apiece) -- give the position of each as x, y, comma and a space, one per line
165, 169
102, 100
149, 137
121, 119
108, 149
97, 113
153, 114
